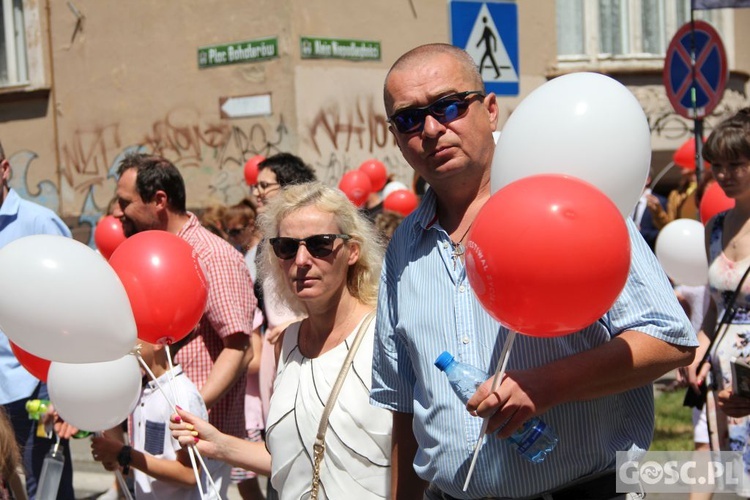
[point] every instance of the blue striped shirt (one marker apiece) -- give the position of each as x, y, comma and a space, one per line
19, 218
426, 307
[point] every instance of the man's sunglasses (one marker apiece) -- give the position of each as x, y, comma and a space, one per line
444, 110
319, 245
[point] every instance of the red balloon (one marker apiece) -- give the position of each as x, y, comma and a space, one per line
34, 364
402, 201
356, 186
714, 201
251, 169
548, 255
108, 235
685, 156
377, 173
165, 283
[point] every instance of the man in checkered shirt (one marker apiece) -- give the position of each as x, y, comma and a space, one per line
151, 195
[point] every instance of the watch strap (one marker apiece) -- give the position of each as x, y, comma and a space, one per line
124, 457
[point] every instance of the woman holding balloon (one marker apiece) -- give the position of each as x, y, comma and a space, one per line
325, 257
728, 251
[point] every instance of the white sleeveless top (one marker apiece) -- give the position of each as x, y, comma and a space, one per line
356, 463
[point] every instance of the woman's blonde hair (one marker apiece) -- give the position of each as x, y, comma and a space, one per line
363, 276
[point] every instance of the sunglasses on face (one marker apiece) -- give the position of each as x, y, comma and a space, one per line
318, 245
444, 110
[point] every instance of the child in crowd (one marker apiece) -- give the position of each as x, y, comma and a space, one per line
162, 469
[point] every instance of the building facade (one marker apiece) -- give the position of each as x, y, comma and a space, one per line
209, 84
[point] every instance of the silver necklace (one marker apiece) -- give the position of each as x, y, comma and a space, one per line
458, 248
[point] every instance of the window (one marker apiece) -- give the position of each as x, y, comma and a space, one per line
13, 66
619, 33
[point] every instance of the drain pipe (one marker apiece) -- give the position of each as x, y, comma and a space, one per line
53, 102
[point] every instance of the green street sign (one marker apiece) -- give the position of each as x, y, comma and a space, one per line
336, 48
238, 52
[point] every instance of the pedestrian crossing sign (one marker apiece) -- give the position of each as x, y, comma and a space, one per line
488, 31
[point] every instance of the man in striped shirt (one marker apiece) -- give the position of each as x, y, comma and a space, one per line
593, 387
151, 195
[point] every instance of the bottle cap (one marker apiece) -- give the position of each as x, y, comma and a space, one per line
444, 360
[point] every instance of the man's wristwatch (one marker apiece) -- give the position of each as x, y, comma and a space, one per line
123, 458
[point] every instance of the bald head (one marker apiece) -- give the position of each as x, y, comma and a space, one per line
424, 53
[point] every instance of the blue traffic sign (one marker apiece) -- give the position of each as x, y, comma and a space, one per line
695, 70
488, 31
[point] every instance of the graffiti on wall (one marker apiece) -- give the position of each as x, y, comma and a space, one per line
341, 135
44, 193
181, 138
359, 127
335, 138
209, 155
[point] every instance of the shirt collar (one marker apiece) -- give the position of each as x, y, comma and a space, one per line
189, 226
425, 216
11, 204
164, 379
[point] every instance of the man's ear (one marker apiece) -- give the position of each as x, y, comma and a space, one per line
493, 108
161, 200
4, 171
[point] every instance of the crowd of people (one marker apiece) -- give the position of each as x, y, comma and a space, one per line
313, 363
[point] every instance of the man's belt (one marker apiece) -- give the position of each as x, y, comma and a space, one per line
599, 487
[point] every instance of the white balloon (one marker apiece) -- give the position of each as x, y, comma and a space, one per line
583, 124
391, 187
60, 300
95, 396
680, 248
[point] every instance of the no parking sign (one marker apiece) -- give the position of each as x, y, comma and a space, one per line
695, 88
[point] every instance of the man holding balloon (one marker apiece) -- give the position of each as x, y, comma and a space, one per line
19, 218
590, 345
151, 196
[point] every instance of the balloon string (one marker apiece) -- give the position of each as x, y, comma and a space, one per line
502, 364
171, 404
192, 449
120, 478
661, 174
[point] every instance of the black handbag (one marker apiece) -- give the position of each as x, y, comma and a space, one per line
698, 399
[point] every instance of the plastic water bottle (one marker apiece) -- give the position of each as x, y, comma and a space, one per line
533, 441
52, 469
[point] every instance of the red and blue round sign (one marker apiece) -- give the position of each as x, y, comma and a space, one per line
695, 89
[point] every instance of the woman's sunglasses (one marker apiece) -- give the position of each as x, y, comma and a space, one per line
319, 245
444, 110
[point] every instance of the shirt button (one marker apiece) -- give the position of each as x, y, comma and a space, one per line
466, 340
445, 245
462, 288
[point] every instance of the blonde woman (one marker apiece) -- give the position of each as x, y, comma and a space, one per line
326, 259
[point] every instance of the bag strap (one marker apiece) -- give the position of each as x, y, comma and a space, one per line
319, 446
